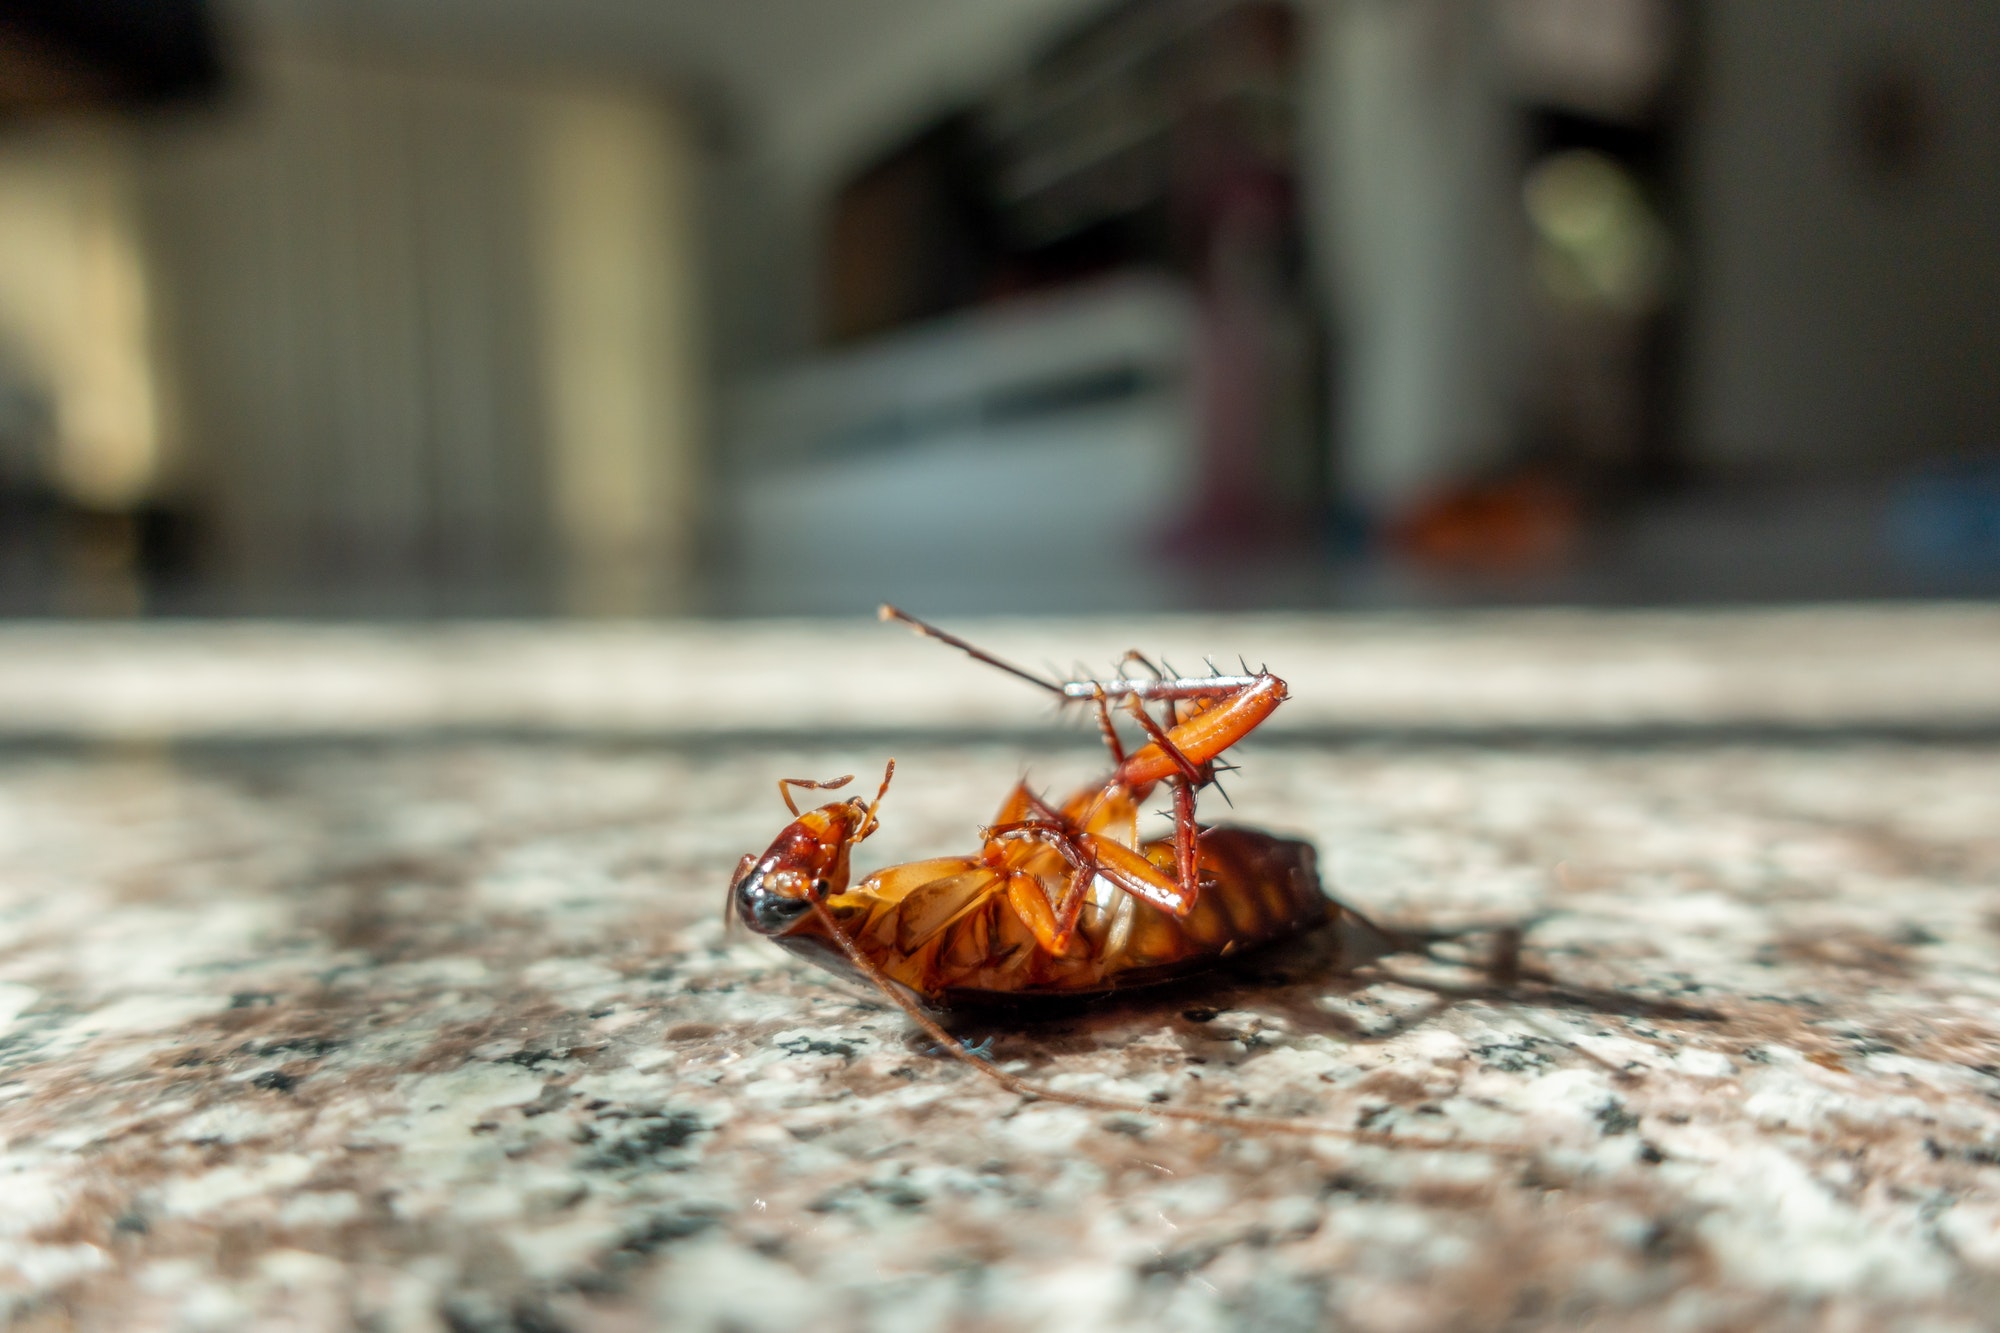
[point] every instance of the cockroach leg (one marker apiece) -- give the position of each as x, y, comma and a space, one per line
1120, 865
1184, 786
1185, 863
1071, 906
1043, 808
1134, 655
1155, 671
1089, 857
1067, 840
807, 784
1102, 704
1208, 715
1188, 769
1029, 902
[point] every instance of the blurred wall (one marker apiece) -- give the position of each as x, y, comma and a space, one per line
75, 319
828, 87
423, 315
1845, 193
436, 337
616, 182
1411, 170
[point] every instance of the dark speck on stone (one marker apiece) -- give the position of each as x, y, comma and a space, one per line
1180, 1262
814, 1046
658, 1231
310, 1047
903, 1197
655, 1135
1613, 1118
528, 1057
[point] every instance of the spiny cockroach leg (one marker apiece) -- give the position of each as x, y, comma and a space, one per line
1043, 808
1186, 864
1187, 768
1071, 905
1117, 747
1134, 655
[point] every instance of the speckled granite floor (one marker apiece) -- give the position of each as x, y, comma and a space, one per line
448, 1036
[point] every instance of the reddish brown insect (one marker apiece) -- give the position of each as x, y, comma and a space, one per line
1059, 899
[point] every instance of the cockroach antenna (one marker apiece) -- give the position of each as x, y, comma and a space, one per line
888, 612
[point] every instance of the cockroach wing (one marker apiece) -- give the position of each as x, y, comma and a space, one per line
929, 908
1108, 814
893, 884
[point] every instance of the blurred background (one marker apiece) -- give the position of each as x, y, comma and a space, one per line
414, 308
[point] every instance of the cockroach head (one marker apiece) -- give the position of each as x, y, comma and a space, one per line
808, 861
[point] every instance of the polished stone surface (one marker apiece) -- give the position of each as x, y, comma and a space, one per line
447, 1035
1916, 666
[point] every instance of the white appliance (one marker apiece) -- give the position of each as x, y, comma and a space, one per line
1024, 456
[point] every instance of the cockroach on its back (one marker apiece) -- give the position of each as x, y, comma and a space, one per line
966, 929
1059, 899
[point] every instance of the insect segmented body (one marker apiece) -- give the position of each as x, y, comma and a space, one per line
1059, 899
965, 929
1065, 900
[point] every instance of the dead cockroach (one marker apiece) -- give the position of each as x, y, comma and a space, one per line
965, 929
1060, 900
